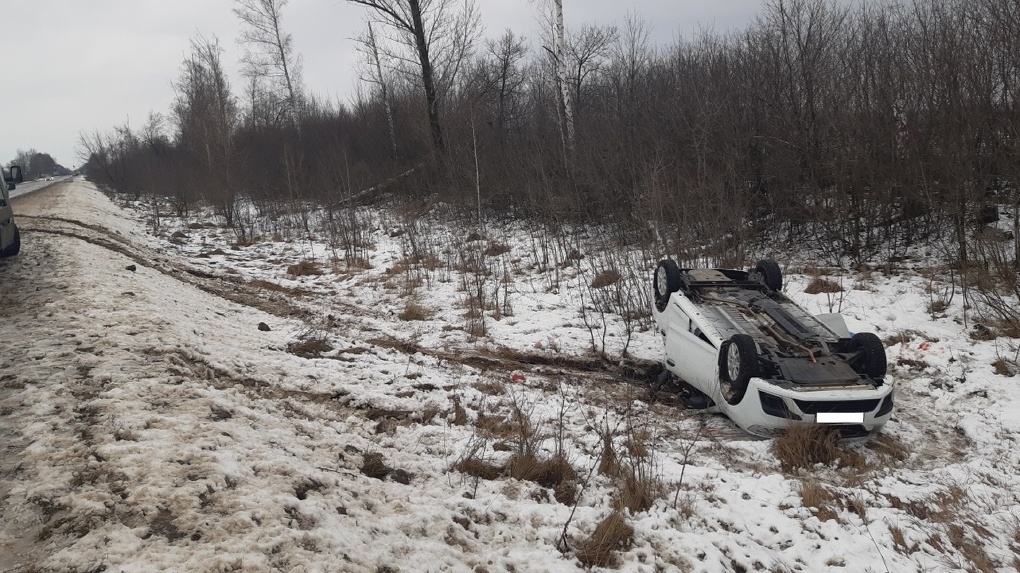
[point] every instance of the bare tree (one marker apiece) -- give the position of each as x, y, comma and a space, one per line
205, 115
369, 47
440, 39
631, 57
269, 52
588, 51
503, 75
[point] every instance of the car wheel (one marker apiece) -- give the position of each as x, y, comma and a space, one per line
871, 361
769, 274
665, 282
738, 363
15, 247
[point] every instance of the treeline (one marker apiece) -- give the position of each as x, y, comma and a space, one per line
35, 164
852, 129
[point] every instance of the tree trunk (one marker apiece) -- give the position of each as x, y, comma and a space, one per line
561, 78
431, 97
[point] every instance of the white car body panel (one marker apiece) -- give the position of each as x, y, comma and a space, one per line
694, 331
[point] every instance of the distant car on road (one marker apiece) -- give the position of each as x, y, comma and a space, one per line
736, 345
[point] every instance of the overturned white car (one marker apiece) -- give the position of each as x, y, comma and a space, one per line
735, 344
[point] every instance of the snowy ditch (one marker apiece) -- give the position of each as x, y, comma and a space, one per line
426, 400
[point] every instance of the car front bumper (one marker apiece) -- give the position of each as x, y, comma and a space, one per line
767, 410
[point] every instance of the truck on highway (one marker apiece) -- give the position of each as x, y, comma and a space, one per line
10, 236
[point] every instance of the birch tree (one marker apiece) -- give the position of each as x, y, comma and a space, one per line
269, 53
437, 37
369, 47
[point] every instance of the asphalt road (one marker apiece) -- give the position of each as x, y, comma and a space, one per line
30, 186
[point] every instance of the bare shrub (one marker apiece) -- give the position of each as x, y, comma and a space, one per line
605, 278
611, 534
414, 311
304, 268
804, 445
819, 285
495, 249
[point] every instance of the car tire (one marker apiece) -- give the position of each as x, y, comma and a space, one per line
665, 282
738, 363
15, 246
769, 274
872, 360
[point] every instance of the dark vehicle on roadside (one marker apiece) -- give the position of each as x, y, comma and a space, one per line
10, 236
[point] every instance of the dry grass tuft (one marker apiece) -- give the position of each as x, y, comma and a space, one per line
638, 490
819, 285
490, 387
609, 465
494, 427
429, 413
890, 447
636, 444
566, 492
273, 287
311, 347
814, 495
459, 413
479, 468
1004, 367
611, 534
859, 506
550, 472
804, 445
414, 311
899, 539
374, 466
304, 268
606, 278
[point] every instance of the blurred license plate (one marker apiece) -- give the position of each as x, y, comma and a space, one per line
840, 417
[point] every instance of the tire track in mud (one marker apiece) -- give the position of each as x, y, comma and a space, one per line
226, 287
620, 382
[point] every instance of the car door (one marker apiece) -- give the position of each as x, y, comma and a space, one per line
692, 357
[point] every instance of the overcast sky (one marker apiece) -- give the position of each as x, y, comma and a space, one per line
74, 66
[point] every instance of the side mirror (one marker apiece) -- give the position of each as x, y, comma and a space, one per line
16, 174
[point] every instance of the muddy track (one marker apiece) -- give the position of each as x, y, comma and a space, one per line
631, 379
231, 288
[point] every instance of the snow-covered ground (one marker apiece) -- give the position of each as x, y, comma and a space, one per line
181, 403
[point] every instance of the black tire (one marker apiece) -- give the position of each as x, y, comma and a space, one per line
871, 360
15, 247
738, 363
665, 282
769, 274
